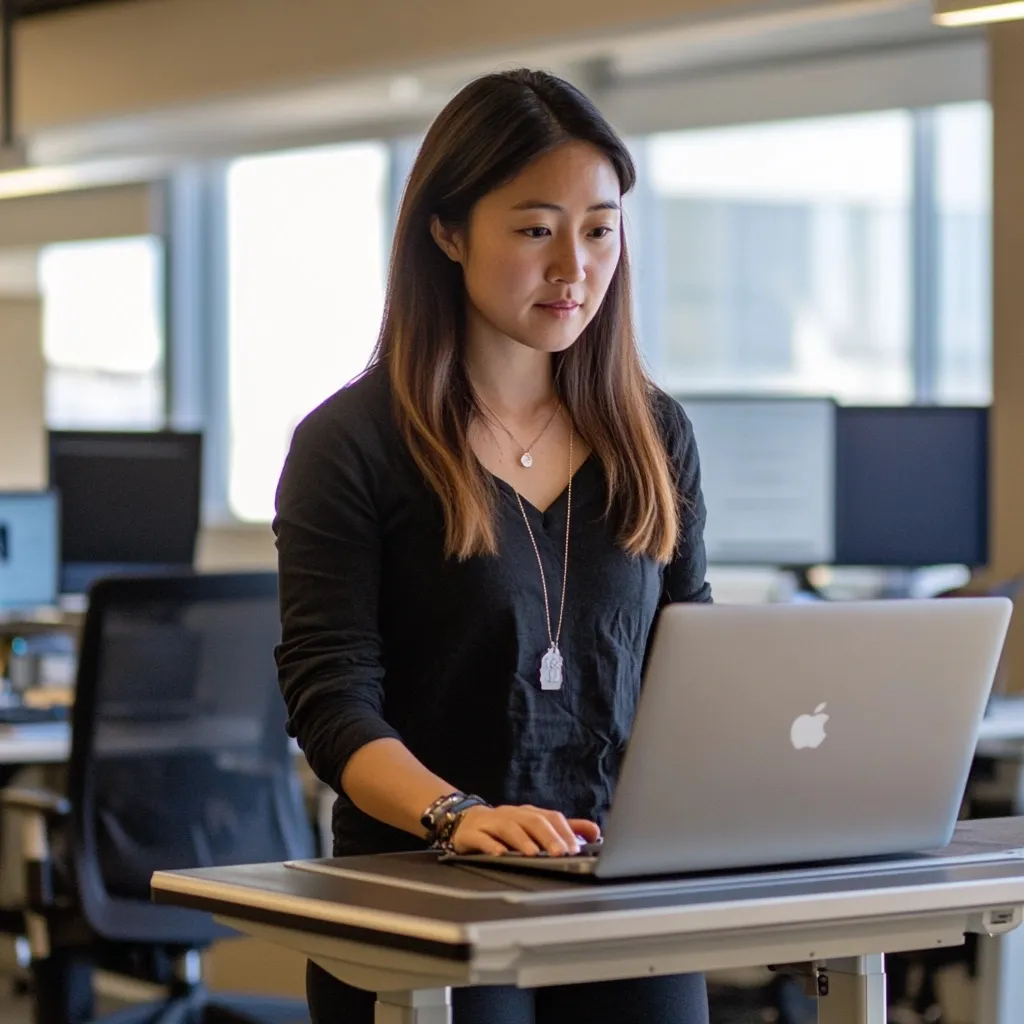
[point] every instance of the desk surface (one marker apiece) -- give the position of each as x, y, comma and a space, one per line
49, 621
35, 743
50, 742
458, 913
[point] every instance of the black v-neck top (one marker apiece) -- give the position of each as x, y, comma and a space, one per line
383, 636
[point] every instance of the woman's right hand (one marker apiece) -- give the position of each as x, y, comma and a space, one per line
523, 829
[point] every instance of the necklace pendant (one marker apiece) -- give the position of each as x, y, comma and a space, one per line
526, 460
551, 669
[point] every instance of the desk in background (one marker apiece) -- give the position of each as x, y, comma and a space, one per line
35, 744
1003, 724
38, 743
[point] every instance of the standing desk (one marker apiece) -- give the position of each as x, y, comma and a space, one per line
409, 928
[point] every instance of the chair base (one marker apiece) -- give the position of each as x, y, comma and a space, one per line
202, 1008
63, 994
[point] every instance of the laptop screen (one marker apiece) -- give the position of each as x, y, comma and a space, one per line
29, 549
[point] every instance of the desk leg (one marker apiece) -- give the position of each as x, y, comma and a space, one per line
852, 991
419, 1006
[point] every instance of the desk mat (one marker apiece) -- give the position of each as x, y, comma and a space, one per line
975, 843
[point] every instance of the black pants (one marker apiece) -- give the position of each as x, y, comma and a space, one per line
676, 999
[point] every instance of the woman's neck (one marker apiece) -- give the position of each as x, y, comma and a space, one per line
511, 378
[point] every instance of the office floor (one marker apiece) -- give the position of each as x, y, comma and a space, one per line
16, 1006
738, 1007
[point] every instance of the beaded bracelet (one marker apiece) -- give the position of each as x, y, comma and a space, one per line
451, 819
432, 816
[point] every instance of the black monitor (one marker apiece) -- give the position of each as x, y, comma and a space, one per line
912, 486
130, 502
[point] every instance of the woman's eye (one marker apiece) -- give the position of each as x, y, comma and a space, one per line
601, 232
535, 232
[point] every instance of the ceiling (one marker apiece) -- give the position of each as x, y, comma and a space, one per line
669, 69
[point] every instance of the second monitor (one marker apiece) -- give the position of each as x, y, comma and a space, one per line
130, 502
912, 486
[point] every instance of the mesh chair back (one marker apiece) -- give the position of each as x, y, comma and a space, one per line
179, 753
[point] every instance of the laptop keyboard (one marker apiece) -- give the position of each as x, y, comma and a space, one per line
586, 850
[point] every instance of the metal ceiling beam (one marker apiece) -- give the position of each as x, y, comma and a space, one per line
7, 14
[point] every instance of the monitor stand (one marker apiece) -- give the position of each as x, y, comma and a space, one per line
896, 583
805, 589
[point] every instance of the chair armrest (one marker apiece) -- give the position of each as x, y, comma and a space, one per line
40, 801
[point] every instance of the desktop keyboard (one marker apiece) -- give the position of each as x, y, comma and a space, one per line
24, 714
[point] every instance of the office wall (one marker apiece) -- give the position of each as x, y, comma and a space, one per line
114, 211
22, 437
227, 548
102, 61
1007, 92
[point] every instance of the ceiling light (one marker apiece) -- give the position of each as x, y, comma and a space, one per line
405, 89
957, 13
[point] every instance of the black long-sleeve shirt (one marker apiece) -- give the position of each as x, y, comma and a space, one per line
383, 636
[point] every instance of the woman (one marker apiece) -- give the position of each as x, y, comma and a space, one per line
476, 536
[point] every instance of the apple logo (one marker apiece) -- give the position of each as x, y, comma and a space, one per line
809, 730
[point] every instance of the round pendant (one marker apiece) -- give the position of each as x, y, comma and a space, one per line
526, 460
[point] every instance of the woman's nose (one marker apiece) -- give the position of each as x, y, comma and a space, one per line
568, 266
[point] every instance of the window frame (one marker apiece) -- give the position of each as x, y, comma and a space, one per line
87, 208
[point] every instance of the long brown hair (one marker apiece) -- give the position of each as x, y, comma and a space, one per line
481, 140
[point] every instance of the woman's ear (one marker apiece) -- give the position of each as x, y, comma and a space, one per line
449, 240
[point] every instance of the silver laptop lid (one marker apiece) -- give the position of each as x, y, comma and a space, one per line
774, 734
29, 549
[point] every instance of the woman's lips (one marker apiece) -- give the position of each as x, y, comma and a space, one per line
561, 310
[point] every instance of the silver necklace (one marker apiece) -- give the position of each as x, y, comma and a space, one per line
525, 454
551, 665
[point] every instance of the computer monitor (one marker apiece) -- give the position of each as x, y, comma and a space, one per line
130, 502
767, 468
29, 550
912, 486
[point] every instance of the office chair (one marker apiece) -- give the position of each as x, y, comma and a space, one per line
179, 759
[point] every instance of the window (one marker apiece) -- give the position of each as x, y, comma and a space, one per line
307, 243
844, 256
786, 256
103, 333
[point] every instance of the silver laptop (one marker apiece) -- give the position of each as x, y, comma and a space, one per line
804, 733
